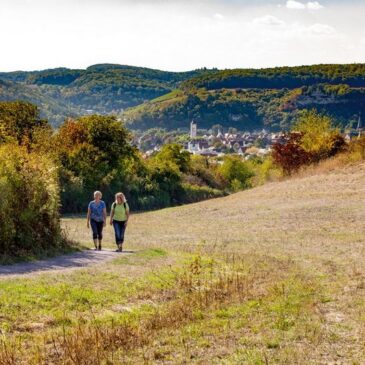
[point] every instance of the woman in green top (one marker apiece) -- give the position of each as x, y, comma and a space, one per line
119, 216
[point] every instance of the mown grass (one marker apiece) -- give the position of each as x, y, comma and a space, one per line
182, 312
56, 300
274, 275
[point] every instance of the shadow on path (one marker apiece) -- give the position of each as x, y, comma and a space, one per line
71, 261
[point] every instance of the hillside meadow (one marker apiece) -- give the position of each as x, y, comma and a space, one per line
273, 275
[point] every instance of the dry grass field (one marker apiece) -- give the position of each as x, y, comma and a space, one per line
273, 275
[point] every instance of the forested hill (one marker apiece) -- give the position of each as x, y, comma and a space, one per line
258, 98
147, 98
248, 109
104, 88
281, 77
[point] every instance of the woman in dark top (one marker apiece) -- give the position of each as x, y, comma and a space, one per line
96, 217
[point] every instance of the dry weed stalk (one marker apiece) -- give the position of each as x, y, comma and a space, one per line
200, 287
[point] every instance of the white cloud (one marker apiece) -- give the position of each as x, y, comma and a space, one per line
218, 16
314, 5
291, 4
268, 20
83, 32
297, 5
272, 28
322, 30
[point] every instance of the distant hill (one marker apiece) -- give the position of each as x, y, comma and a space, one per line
281, 77
104, 88
254, 99
146, 98
248, 109
52, 105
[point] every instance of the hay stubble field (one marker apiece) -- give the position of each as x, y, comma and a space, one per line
273, 275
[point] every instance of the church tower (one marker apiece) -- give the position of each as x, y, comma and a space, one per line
193, 129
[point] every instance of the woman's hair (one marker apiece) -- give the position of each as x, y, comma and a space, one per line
120, 195
97, 192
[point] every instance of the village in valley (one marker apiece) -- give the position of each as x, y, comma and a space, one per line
247, 144
216, 142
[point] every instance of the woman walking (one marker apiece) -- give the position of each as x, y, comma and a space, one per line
119, 216
96, 217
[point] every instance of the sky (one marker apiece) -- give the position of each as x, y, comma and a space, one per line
179, 35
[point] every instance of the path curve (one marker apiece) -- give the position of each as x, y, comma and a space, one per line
64, 262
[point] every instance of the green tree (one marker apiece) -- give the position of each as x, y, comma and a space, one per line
93, 152
318, 135
167, 176
19, 121
175, 154
236, 172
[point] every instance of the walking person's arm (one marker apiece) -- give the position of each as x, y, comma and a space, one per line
127, 214
111, 216
104, 216
88, 217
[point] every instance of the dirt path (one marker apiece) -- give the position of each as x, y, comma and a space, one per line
65, 262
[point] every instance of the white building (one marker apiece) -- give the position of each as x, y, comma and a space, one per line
194, 147
193, 129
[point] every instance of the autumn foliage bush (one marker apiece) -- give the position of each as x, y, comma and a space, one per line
290, 156
20, 122
29, 203
312, 139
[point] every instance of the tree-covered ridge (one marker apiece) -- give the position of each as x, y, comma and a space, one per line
248, 109
281, 77
56, 76
47, 97
104, 88
246, 99
65, 76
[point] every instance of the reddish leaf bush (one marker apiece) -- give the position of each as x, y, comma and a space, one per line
290, 156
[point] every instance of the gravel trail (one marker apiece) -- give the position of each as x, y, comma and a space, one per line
60, 263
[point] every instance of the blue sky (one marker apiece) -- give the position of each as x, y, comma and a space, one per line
180, 35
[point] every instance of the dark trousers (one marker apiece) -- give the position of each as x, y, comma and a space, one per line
97, 228
119, 229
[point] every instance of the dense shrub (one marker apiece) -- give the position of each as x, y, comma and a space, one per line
207, 172
291, 156
29, 203
237, 173
19, 122
193, 194
318, 135
167, 180
264, 169
313, 139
